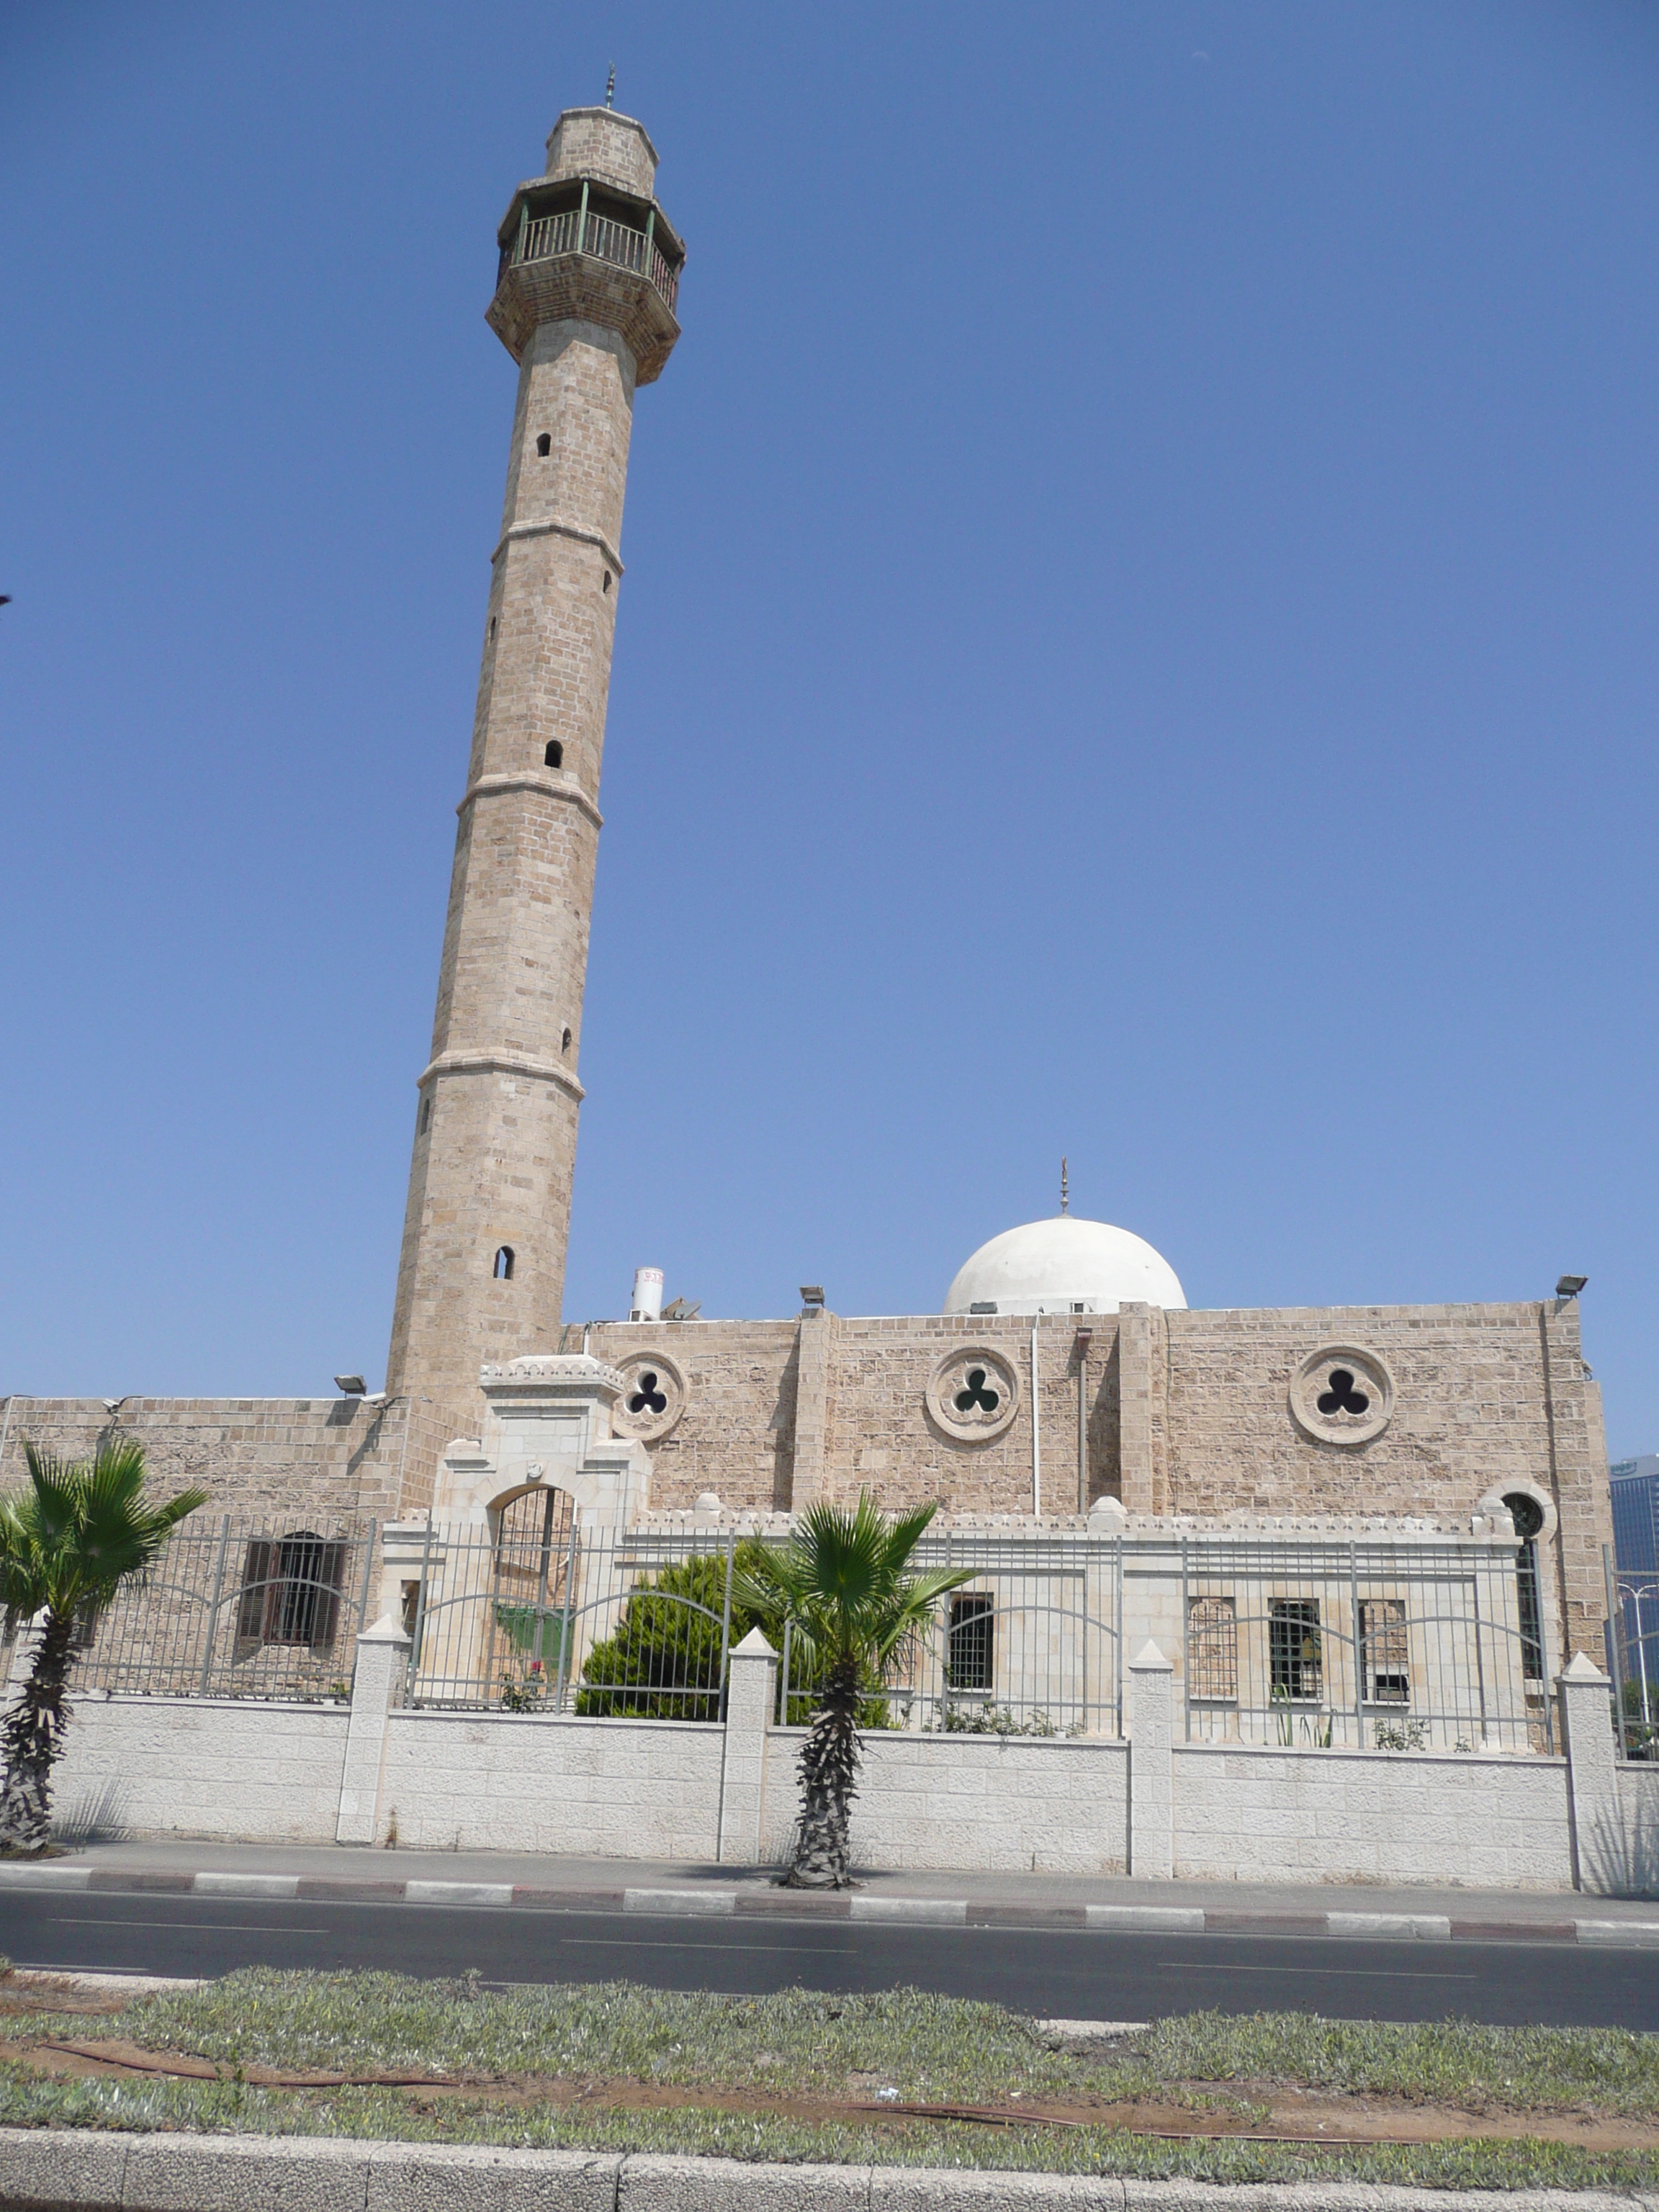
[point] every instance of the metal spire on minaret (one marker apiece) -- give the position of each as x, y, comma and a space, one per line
1064, 1198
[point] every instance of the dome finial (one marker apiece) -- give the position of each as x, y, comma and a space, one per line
1064, 1200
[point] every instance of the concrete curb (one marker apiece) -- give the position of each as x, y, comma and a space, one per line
808, 1904
87, 2170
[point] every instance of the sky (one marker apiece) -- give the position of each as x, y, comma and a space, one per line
1138, 644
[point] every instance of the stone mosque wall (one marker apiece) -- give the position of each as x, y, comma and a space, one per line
1187, 1412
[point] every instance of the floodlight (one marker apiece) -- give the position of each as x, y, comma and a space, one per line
812, 1294
353, 1385
1570, 1286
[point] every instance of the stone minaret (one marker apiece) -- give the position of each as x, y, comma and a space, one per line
585, 304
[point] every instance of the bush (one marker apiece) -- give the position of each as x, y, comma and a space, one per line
663, 1661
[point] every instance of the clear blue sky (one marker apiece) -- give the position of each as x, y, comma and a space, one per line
1139, 641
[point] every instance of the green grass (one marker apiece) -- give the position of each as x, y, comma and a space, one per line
1605, 2070
929, 2049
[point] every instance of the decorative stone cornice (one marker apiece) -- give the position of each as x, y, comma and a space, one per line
532, 779
555, 526
503, 1063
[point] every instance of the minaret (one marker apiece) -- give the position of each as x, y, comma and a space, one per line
585, 304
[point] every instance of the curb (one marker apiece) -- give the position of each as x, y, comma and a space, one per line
87, 2170
765, 1902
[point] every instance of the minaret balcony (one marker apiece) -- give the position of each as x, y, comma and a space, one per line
605, 239
578, 249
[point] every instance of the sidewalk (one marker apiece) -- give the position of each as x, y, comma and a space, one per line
962, 1898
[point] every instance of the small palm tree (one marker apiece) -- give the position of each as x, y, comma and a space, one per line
841, 1584
67, 1544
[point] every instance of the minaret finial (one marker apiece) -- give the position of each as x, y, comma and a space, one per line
1064, 1199
610, 86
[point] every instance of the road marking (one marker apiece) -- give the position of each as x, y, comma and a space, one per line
190, 1927
1325, 1974
705, 1950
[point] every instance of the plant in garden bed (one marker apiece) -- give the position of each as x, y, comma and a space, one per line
67, 1544
852, 1610
662, 1662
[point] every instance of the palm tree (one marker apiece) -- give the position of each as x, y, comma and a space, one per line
841, 1584
67, 1544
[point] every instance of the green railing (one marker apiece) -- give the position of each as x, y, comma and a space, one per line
578, 230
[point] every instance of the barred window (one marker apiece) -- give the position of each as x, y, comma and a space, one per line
969, 1662
1212, 1648
1294, 1647
290, 1591
1384, 1654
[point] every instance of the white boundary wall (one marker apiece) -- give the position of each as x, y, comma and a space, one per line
631, 1790
1436, 1817
235, 1768
1007, 1804
670, 1789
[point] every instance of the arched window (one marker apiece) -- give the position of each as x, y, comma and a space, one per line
554, 755
504, 1264
1528, 1517
545, 444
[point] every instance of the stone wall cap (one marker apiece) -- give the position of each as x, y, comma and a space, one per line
1582, 1668
754, 1646
1149, 1659
386, 1630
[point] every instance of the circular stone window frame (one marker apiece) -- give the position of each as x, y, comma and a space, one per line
1371, 1371
649, 1429
1492, 1500
1000, 1368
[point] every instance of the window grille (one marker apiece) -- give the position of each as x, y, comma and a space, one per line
970, 1659
1385, 1655
290, 1591
1293, 1647
1212, 1648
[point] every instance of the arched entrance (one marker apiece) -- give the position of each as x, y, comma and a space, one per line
532, 1593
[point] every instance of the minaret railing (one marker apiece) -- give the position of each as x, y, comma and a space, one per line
578, 230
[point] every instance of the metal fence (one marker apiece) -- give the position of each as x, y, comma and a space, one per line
544, 1616
1369, 1646
1375, 1645
238, 1608
1633, 1658
1030, 1645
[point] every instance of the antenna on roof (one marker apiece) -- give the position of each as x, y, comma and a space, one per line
1064, 1200
610, 86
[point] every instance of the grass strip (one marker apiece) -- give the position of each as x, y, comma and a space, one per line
920, 2048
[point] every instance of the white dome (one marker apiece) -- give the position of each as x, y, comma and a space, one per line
1057, 1266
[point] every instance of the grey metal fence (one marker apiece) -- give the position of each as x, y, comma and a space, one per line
544, 1616
1633, 1658
1030, 1645
1394, 1646
238, 1608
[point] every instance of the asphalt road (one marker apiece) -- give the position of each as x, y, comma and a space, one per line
1069, 1973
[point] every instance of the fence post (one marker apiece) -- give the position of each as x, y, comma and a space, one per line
1598, 1827
1152, 1765
382, 1657
749, 1704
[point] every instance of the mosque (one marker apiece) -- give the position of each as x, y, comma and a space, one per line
1064, 1394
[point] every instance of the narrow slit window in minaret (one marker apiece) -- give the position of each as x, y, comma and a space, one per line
545, 444
492, 629
554, 754
565, 1046
607, 580
426, 1116
504, 1264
